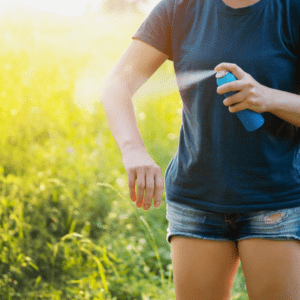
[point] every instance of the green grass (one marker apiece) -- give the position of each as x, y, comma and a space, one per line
68, 229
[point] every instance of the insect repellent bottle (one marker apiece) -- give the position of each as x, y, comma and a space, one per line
249, 118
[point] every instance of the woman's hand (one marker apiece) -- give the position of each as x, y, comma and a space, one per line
250, 94
140, 167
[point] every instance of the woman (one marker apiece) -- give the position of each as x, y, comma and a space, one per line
232, 195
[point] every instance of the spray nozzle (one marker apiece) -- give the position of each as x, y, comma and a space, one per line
221, 74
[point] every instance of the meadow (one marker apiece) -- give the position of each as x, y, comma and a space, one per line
68, 229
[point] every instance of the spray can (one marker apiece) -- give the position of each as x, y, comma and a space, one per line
249, 118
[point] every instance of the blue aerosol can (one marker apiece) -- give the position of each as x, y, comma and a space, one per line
249, 118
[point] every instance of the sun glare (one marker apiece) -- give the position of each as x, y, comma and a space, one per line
64, 7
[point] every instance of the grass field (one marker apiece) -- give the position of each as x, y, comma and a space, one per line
68, 229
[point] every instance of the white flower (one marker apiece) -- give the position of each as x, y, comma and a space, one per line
125, 216
129, 226
129, 247
146, 269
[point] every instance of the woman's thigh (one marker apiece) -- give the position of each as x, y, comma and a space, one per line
205, 258
269, 249
271, 268
203, 269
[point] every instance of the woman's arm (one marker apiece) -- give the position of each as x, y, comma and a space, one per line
133, 69
285, 106
252, 95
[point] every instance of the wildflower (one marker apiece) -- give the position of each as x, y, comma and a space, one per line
70, 150
129, 247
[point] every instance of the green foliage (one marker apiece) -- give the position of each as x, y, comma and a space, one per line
67, 227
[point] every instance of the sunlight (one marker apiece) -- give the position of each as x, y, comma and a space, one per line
63, 7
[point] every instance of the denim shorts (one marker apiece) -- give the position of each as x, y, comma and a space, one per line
189, 221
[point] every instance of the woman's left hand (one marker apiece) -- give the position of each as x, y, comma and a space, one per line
250, 94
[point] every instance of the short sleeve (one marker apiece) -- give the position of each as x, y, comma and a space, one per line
156, 28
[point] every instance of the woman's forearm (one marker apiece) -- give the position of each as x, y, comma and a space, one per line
117, 102
259, 98
285, 106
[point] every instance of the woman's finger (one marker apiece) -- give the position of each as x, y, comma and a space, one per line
239, 102
232, 86
149, 189
233, 68
159, 188
236, 98
131, 174
140, 185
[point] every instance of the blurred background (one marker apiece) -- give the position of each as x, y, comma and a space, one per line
68, 229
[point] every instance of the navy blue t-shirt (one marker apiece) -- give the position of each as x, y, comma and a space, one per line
219, 166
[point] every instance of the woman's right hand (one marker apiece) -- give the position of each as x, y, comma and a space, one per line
140, 167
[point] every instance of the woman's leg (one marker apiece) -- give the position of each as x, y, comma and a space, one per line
203, 269
271, 268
